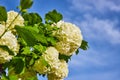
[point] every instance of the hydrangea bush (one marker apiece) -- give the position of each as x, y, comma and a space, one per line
29, 46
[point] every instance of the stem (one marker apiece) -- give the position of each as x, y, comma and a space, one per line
10, 24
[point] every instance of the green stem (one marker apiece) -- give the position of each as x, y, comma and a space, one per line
10, 24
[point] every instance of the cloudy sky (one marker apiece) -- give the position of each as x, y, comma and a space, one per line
99, 21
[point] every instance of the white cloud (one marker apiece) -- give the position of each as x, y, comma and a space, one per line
97, 30
95, 5
100, 29
93, 58
93, 27
94, 65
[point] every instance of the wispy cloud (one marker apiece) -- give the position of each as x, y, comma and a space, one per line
95, 65
98, 29
102, 63
93, 27
101, 29
95, 58
95, 5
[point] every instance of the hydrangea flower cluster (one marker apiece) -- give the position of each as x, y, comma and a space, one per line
13, 19
70, 39
48, 63
9, 39
57, 69
69, 36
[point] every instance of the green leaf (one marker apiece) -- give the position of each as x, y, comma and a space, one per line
33, 29
53, 16
51, 40
44, 62
18, 64
32, 18
35, 56
26, 35
4, 47
39, 48
26, 50
13, 77
84, 45
32, 61
25, 4
40, 37
77, 51
3, 14
66, 58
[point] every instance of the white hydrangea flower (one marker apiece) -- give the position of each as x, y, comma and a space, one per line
62, 70
60, 73
63, 47
9, 40
4, 56
69, 36
51, 56
2, 29
11, 16
40, 67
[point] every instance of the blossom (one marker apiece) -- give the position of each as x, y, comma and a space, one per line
40, 66
9, 40
59, 73
50, 56
11, 15
2, 29
4, 56
69, 36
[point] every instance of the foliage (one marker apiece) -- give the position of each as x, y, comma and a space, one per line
84, 45
3, 14
53, 16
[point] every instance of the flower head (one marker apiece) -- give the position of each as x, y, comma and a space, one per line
69, 36
40, 66
2, 29
60, 72
8, 39
50, 56
4, 56
11, 18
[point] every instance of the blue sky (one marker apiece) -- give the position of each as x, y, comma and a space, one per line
99, 21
